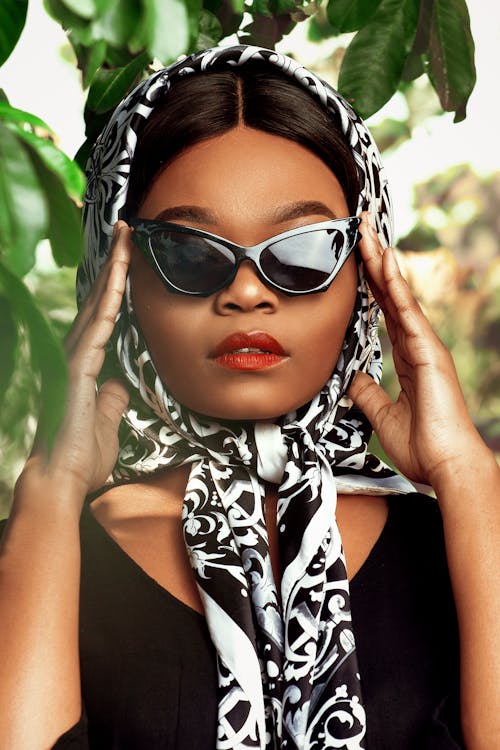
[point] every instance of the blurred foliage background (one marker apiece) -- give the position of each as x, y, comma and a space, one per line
419, 52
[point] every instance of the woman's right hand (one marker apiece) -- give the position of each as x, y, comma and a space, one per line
86, 446
40, 562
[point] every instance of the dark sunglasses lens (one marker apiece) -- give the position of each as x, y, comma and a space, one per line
190, 263
304, 262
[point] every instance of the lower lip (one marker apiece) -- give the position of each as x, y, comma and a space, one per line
249, 360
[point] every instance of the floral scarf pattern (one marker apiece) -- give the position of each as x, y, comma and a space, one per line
287, 668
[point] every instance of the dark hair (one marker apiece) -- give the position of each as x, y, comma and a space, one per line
202, 106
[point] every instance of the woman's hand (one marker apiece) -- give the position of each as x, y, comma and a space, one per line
429, 436
86, 445
427, 431
40, 680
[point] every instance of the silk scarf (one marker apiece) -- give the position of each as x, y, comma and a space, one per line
288, 675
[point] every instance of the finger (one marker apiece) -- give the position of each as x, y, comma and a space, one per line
86, 357
370, 398
406, 311
389, 287
119, 252
96, 288
112, 400
371, 250
372, 254
107, 292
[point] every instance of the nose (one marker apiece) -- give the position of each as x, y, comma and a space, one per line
246, 293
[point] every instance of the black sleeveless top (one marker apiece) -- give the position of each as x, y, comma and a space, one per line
149, 677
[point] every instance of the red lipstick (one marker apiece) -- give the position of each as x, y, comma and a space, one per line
249, 351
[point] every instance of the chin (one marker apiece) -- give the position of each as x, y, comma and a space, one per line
247, 411
252, 401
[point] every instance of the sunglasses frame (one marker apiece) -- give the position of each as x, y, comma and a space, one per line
144, 230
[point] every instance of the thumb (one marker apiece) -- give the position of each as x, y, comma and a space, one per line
112, 400
370, 398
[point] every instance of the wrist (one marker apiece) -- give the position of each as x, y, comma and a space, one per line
472, 474
48, 490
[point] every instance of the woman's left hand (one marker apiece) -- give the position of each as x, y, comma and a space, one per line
427, 430
430, 437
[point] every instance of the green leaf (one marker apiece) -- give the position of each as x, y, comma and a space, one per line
47, 355
94, 59
451, 55
165, 29
210, 31
350, 15
320, 28
373, 63
64, 16
7, 112
23, 210
415, 63
261, 8
83, 153
65, 222
119, 58
87, 8
12, 20
421, 41
414, 67
81, 36
109, 86
238, 6
67, 170
118, 24
194, 9
8, 345
280, 7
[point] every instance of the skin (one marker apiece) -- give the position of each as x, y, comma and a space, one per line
202, 188
427, 432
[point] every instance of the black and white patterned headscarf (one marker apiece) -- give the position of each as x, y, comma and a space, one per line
287, 666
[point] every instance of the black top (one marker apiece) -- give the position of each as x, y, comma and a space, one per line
149, 678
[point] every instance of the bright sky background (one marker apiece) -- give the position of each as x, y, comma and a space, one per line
36, 79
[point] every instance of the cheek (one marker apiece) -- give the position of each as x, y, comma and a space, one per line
174, 338
329, 320
169, 323
321, 349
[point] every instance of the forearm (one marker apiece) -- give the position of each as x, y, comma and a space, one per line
39, 602
469, 499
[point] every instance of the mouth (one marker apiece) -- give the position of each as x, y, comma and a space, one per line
249, 351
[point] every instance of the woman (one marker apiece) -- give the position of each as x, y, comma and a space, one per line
245, 332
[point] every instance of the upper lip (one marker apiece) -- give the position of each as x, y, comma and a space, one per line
254, 340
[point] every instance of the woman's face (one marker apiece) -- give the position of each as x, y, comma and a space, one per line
246, 186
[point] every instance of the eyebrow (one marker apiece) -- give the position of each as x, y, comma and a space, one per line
189, 213
301, 208
295, 210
